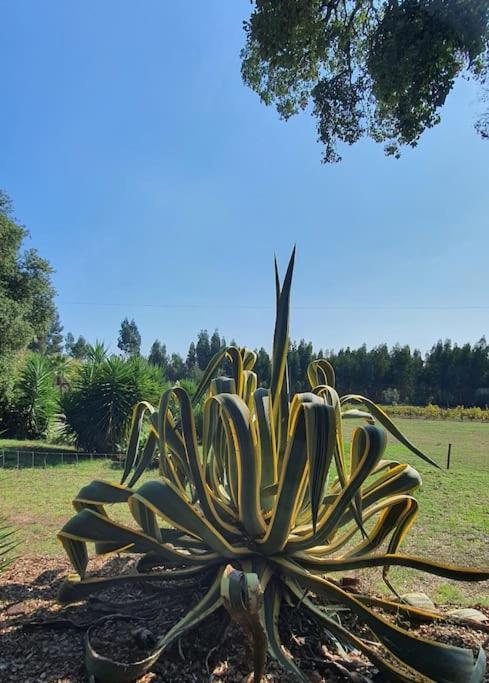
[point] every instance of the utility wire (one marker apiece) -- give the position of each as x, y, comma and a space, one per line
254, 307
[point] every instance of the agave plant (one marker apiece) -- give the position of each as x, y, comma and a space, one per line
7, 544
271, 507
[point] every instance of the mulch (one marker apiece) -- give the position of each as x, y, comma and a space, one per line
215, 651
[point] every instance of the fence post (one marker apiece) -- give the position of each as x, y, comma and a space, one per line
76, 454
18, 460
449, 454
32, 454
62, 457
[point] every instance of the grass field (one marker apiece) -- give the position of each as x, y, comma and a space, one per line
453, 524
37, 446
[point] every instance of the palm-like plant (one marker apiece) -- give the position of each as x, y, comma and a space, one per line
272, 507
36, 397
99, 405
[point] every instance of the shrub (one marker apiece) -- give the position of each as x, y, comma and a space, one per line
433, 412
98, 407
269, 509
390, 396
35, 398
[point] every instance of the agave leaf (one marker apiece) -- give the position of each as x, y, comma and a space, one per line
102, 668
321, 373
448, 571
233, 354
267, 447
236, 418
387, 423
281, 336
371, 441
399, 514
90, 526
100, 492
440, 662
75, 590
393, 672
357, 414
269, 615
321, 440
387, 511
249, 386
145, 460
242, 597
166, 501
211, 601
292, 480
135, 435
397, 480
193, 458
208, 375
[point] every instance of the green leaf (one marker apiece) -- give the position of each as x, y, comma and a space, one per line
387, 423
242, 597
166, 500
440, 662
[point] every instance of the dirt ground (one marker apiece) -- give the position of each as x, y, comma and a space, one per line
215, 651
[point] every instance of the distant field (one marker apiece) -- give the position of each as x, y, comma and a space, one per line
453, 524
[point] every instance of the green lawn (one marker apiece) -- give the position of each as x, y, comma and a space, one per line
37, 446
24, 453
453, 524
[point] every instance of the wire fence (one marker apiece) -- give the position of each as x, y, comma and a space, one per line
17, 459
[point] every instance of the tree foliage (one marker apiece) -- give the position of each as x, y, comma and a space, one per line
203, 349
26, 294
54, 337
377, 68
129, 341
35, 401
157, 355
191, 360
448, 375
76, 349
99, 406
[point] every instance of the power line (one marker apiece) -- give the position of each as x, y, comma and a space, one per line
255, 307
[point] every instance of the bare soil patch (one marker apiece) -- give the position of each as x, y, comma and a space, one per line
32, 651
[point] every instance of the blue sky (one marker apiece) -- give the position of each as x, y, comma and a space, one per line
159, 188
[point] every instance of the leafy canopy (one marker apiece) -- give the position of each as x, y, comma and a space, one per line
26, 294
129, 338
377, 68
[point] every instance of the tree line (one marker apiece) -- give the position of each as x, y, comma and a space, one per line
44, 372
447, 375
